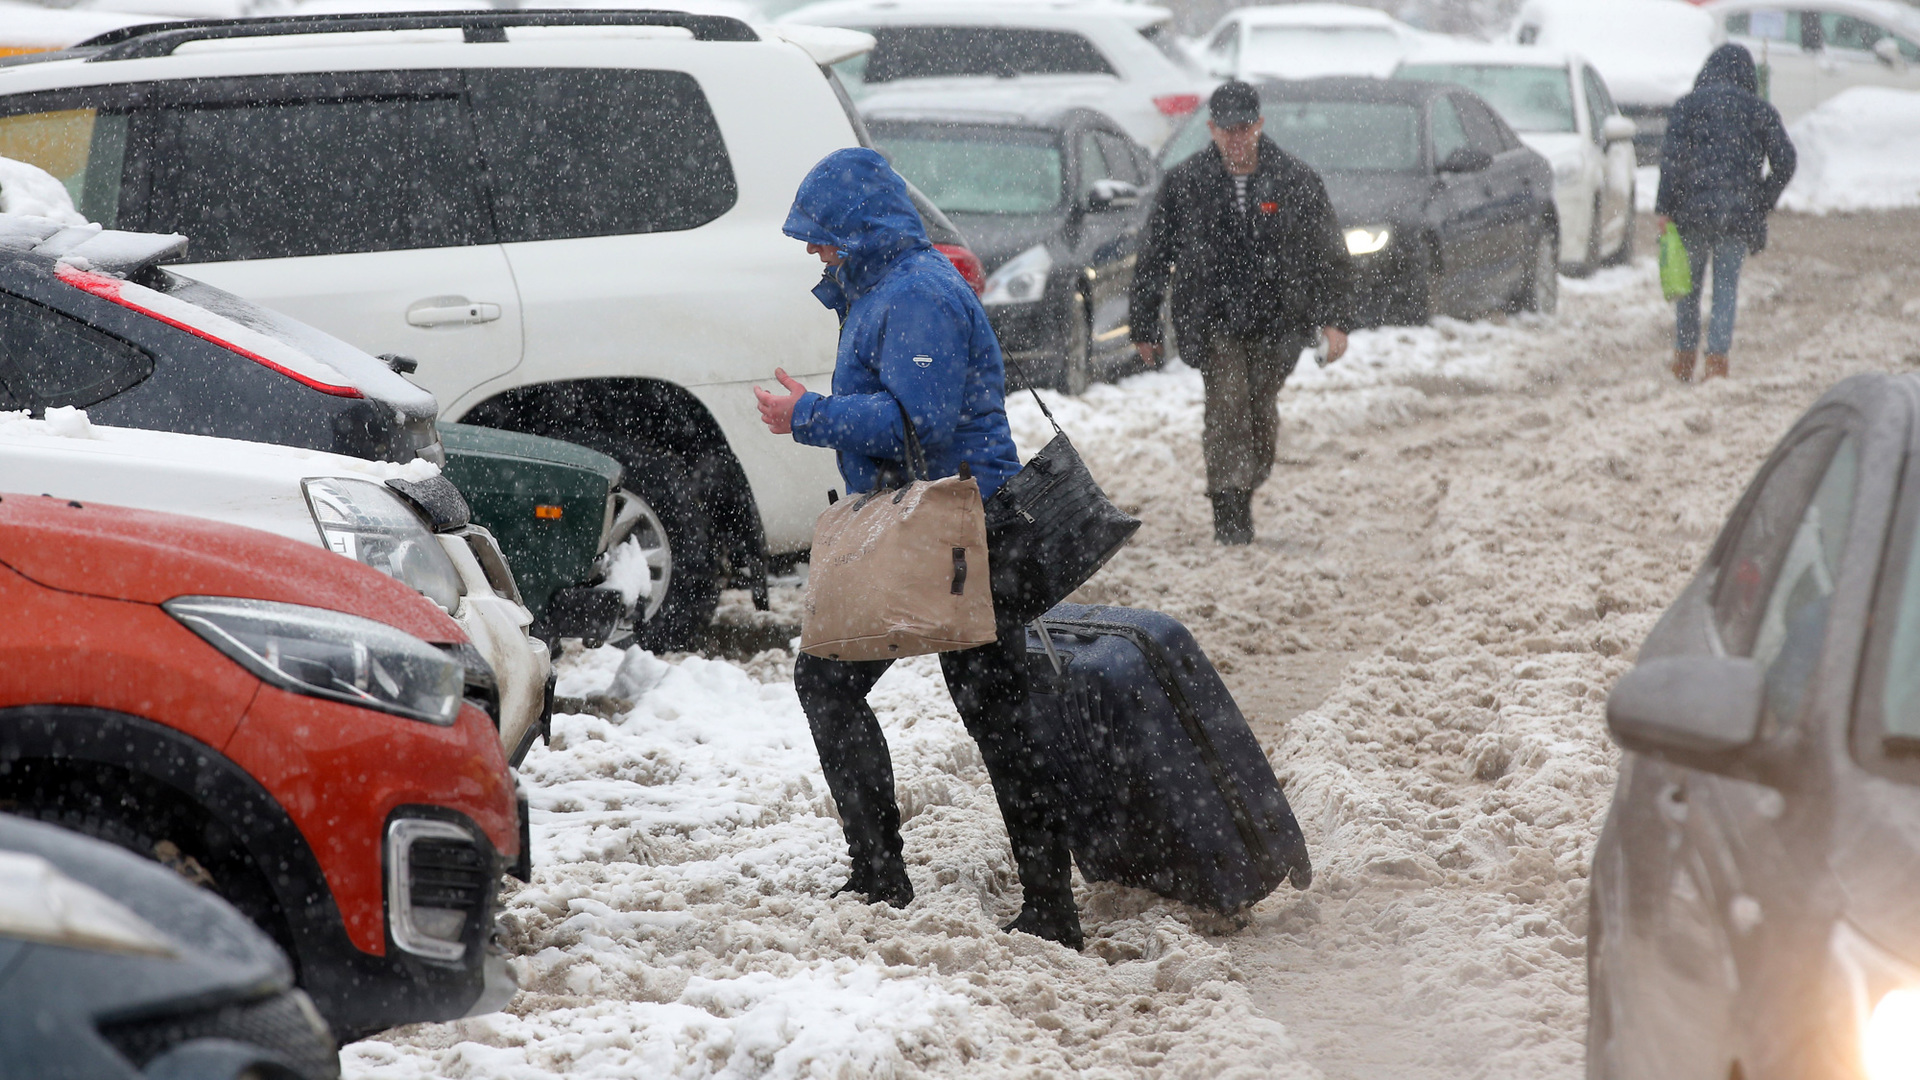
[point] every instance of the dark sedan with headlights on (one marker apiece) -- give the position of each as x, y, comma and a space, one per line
1445, 210
1756, 889
1053, 203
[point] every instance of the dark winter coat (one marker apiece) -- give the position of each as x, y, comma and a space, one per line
912, 333
1281, 268
1718, 138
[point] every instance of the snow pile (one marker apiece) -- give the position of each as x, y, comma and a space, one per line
32, 191
69, 423
628, 572
1860, 150
1649, 51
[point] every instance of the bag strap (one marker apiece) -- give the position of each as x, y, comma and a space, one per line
916, 454
1028, 383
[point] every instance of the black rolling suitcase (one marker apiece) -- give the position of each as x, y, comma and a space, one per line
1167, 789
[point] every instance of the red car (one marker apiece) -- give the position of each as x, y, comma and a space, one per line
284, 726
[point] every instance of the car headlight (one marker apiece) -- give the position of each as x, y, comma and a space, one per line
1885, 992
1022, 280
329, 654
1368, 241
369, 524
39, 903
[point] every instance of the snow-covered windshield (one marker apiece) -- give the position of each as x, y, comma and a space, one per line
976, 170
1331, 136
1528, 98
1305, 52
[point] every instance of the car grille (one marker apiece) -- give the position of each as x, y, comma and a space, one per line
284, 1024
447, 874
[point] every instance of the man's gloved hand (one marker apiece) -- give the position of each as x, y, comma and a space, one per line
776, 411
1149, 353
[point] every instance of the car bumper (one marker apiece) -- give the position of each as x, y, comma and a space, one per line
498, 626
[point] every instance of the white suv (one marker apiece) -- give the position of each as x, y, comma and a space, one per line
571, 220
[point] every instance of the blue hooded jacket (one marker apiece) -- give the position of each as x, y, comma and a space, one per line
1726, 157
912, 333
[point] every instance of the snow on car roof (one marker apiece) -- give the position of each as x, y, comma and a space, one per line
108, 250
1315, 15
1442, 50
1060, 13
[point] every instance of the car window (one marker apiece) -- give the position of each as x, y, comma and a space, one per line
1531, 98
1793, 624
932, 52
1787, 547
1122, 163
1093, 163
1599, 104
1847, 32
591, 152
1483, 131
51, 359
278, 179
84, 149
1448, 133
1331, 136
969, 169
1224, 41
1767, 24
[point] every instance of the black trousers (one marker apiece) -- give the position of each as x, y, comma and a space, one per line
989, 688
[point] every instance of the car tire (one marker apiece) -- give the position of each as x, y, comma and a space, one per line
1540, 284
676, 618
1076, 353
1624, 253
1592, 262
1411, 301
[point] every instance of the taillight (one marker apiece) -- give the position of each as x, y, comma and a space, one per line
1171, 105
967, 263
214, 327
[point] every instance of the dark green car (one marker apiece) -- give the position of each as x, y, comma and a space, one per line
559, 513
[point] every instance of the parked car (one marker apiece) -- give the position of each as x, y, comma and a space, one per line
1053, 202
1445, 210
1753, 887
289, 728
114, 968
1648, 50
1305, 41
140, 347
32, 28
615, 275
1114, 58
1810, 53
407, 524
1558, 105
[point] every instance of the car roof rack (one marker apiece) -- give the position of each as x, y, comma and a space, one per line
161, 39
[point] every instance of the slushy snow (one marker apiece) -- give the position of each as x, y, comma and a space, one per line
1859, 150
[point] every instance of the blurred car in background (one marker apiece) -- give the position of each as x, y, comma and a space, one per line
283, 726
1649, 52
1053, 203
1752, 910
408, 525
1444, 209
114, 968
31, 28
1117, 59
1558, 105
1812, 51
1304, 41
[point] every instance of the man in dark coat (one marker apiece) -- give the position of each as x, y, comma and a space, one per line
1261, 265
1724, 163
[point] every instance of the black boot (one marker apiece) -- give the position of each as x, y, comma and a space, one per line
1054, 920
1233, 517
886, 883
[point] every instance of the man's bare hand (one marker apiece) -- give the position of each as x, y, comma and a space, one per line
1336, 342
776, 410
1149, 353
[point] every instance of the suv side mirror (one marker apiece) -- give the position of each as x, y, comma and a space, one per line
1617, 128
1112, 195
1888, 52
1702, 712
1465, 160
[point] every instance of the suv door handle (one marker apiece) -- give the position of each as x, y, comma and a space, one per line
450, 311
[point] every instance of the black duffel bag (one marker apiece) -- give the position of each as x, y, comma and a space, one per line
1049, 528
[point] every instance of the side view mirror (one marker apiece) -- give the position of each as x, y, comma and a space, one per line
1112, 195
1617, 128
1700, 712
1888, 52
1465, 160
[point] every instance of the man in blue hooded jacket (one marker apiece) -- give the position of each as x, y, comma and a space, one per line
914, 337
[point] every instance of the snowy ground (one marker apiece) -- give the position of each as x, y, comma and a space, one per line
1469, 529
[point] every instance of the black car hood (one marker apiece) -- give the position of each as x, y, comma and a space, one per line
1375, 198
995, 238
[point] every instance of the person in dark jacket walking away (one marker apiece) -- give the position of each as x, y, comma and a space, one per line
1725, 160
913, 335
1258, 262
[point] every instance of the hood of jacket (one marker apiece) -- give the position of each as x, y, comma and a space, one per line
1729, 65
854, 201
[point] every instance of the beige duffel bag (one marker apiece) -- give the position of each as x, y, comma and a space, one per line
900, 572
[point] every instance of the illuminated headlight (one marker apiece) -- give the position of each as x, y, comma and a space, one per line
1368, 241
329, 654
369, 524
1022, 280
1885, 992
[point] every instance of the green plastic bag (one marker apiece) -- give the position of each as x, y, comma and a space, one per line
1676, 276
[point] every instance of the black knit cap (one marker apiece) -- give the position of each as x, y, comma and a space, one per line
1234, 104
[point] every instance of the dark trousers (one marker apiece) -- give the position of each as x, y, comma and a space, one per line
1242, 420
989, 688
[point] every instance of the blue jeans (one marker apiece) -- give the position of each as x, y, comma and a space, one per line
1727, 253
